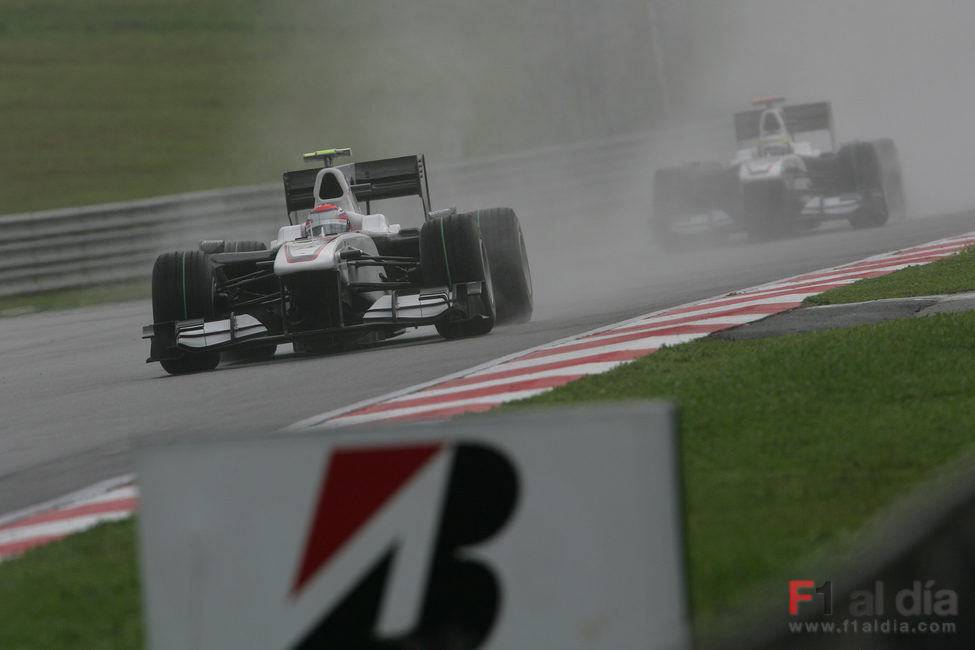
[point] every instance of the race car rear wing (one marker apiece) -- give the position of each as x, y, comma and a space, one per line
390, 178
299, 189
799, 118
370, 181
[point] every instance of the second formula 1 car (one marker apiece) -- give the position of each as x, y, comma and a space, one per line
775, 184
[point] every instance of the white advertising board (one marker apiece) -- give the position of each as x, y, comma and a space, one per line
559, 529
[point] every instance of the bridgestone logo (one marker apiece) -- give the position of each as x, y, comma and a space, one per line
391, 547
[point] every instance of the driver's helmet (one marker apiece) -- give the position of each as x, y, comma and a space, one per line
327, 219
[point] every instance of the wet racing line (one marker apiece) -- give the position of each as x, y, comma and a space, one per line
509, 378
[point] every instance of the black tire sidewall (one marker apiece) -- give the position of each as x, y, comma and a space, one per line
870, 183
451, 253
182, 289
508, 260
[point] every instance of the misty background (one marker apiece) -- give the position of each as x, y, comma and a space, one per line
891, 68
120, 99
456, 80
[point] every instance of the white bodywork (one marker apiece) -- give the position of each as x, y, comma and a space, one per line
803, 149
345, 199
203, 334
322, 254
776, 156
423, 305
770, 168
298, 253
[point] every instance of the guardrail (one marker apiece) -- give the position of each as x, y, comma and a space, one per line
75, 247
79, 247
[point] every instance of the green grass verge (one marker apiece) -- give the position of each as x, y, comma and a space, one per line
112, 99
78, 593
955, 274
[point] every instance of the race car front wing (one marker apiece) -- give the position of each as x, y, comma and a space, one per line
390, 312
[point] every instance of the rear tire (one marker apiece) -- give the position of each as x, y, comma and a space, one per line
508, 258
182, 288
451, 253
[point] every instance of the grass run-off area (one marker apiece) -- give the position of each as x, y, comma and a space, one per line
119, 100
955, 274
791, 447
110, 100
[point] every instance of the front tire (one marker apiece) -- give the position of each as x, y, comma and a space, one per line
182, 288
452, 253
891, 179
875, 172
508, 258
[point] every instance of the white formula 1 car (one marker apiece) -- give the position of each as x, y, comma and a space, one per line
340, 275
776, 185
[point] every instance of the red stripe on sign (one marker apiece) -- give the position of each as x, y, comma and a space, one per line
357, 483
531, 384
21, 545
608, 357
118, 505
